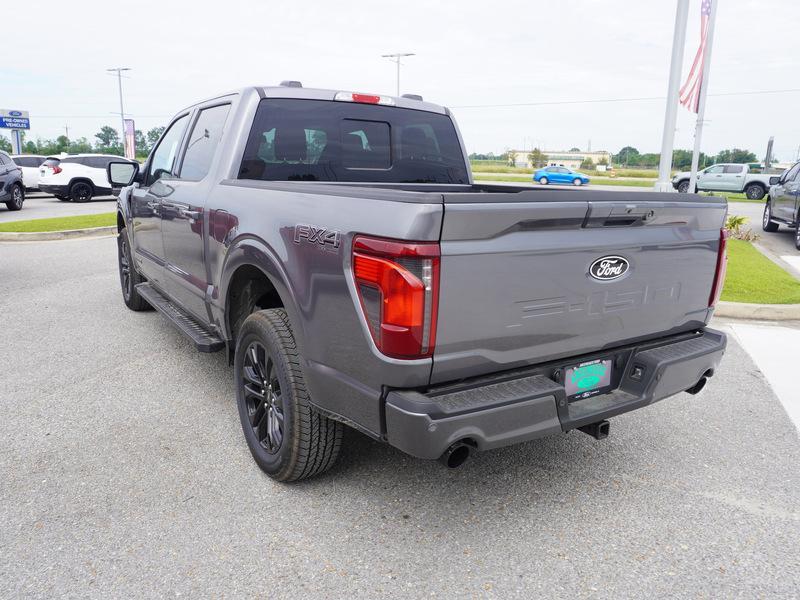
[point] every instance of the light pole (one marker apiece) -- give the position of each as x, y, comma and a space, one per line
118, 71
395, 58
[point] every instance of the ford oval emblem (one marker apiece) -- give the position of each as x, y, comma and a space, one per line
14, 113
608, 268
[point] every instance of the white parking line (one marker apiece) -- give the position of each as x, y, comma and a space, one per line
774, 350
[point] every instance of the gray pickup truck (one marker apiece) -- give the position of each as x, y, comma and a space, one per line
334, 244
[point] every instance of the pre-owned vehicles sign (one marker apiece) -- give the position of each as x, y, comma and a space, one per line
14, 119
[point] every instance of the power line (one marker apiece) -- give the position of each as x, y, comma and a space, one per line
609, 100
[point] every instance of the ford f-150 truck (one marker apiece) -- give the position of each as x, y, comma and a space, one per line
726, 177
334, 244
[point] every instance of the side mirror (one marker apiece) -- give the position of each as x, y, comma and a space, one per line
774, 180
121, 173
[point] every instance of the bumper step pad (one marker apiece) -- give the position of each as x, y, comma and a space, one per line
186, 324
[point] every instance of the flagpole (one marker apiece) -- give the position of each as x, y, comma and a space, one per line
673, 91
701, 102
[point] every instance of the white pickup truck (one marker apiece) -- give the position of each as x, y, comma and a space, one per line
726, 177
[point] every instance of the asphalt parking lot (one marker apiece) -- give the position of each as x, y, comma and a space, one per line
44, 206
124, 473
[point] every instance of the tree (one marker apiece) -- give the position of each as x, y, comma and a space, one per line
574, 149
141, 143
627, 156
108, 140
5, 144
587, 163
603, 161
152, 137
736, 155
537, 158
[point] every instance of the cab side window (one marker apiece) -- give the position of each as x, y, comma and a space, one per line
715, 169
203, 141
734, 168
162, 163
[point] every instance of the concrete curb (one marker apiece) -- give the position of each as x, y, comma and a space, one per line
43, 236
758, 312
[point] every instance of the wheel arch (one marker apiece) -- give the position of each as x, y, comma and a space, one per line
81, 179
253, 279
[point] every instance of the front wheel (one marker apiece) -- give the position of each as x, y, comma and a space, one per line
81, 192
766, 221
288, 439
754, 192
129, 277
797, 236
577, 181
683, 187
17, 198
543, 180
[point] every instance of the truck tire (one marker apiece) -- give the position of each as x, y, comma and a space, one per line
288, 439
81, 191
754, 191
17, 198
797, 236
129, 277
683, 186
767, 224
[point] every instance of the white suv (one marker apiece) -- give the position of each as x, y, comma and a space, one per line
29, 163
77, 177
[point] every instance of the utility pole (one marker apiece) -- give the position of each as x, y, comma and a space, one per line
118, 71
663, 183
66, 131
395, 58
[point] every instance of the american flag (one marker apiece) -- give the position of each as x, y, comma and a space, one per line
690, 92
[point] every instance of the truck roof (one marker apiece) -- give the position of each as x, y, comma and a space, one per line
302, 93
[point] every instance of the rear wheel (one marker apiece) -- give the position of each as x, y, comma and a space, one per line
129, 277
766, 222
288, 439
17, 198
797, 236
683, 187
543, 180
577, 181
81, 191
754, 191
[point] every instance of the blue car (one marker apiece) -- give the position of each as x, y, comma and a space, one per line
559, 175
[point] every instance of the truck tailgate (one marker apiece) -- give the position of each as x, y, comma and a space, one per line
516, 286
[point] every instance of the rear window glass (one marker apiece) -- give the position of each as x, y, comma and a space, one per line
318, 140
51, 162
79, 161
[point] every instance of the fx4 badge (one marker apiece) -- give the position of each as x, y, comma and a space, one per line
327, 239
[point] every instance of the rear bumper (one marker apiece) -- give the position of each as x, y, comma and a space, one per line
514, 407
55, 190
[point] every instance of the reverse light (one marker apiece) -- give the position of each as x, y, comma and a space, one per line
398, 288
363, 98
722, 267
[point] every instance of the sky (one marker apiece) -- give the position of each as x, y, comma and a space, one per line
468, 53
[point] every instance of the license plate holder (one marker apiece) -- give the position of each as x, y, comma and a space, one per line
588, 378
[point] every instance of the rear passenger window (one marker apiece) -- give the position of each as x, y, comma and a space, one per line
734, 168
203, 141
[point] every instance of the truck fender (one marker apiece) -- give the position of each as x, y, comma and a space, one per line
255, 252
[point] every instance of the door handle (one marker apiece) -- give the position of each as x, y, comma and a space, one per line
152, 204
189, 214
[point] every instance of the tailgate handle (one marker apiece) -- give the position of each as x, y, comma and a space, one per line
622, 217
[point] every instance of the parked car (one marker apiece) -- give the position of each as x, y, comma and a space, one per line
783, 203
12, 190
334, 244
559, 175
726, 177
77, 177
29, 163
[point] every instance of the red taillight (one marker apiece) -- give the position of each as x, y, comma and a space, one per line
366, 98
722, 265
398, 287
57, 170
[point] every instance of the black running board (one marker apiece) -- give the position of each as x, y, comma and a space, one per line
186, 324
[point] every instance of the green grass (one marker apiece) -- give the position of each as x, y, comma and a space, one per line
752, 277
61, 223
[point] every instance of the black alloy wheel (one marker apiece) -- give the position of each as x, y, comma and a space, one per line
81, 192
262, 393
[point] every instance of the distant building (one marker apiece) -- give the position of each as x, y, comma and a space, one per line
561, 158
